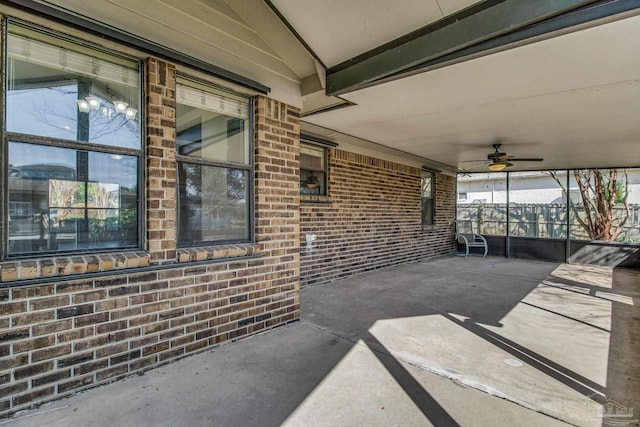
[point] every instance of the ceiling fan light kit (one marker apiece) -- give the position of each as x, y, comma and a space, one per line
499, 161
497, 167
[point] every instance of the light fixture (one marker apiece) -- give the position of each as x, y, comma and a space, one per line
94, 102
106, 112
497, 167
120, 106
83, 106
130, 113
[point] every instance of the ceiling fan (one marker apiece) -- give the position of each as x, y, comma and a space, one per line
499, 161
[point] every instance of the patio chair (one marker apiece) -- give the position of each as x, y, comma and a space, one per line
467, 237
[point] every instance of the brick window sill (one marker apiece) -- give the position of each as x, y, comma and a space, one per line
309, 198
71, 265
204, 253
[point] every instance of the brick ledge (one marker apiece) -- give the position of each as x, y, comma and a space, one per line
61, 266
315, 198
204, 253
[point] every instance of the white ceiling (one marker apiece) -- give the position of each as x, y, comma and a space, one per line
338, 30
573, 99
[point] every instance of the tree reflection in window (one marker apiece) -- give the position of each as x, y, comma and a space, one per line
71, 210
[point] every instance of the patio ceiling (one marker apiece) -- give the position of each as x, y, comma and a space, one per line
569, 94
571, 97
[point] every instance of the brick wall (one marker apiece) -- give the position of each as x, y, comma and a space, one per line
161, 161
371, 218
139, 310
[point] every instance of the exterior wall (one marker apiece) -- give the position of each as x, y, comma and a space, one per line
68, 323
371, 218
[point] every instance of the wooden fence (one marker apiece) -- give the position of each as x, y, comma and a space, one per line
540, 220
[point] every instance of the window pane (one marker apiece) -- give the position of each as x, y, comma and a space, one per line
311, 158
312, 182
212, 204
70, 92
537, 204
211, 125
486, 205
70, 199
426, 199
427, 211
427, 183
313, 173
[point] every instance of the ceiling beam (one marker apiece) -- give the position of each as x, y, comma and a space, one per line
478, 25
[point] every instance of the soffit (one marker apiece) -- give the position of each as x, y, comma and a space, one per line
338, 30
572, 99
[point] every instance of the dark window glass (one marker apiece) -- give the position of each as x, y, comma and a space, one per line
213, 197
61, 198
70, 199
212, 203
313, 169
427, 199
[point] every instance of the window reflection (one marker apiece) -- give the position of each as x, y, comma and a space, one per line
313, 170
48, 86
426, 199
213, 199
67, 199
212, 203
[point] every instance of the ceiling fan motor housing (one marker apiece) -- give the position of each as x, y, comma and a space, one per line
496, 156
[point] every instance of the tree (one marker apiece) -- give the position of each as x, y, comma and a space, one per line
600, 191
64, 195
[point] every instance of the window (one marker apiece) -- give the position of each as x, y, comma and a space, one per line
313, 169
462, 196
427, 198
214, 164
73, 142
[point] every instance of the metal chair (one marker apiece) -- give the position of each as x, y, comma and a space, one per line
467, 237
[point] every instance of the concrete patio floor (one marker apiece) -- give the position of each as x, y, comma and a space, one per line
444, 342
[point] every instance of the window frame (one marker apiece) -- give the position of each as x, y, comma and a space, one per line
432, 176
249, 167
8, 137
305, 141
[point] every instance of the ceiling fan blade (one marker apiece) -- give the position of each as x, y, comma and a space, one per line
473, 161
524, 159
479, 165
